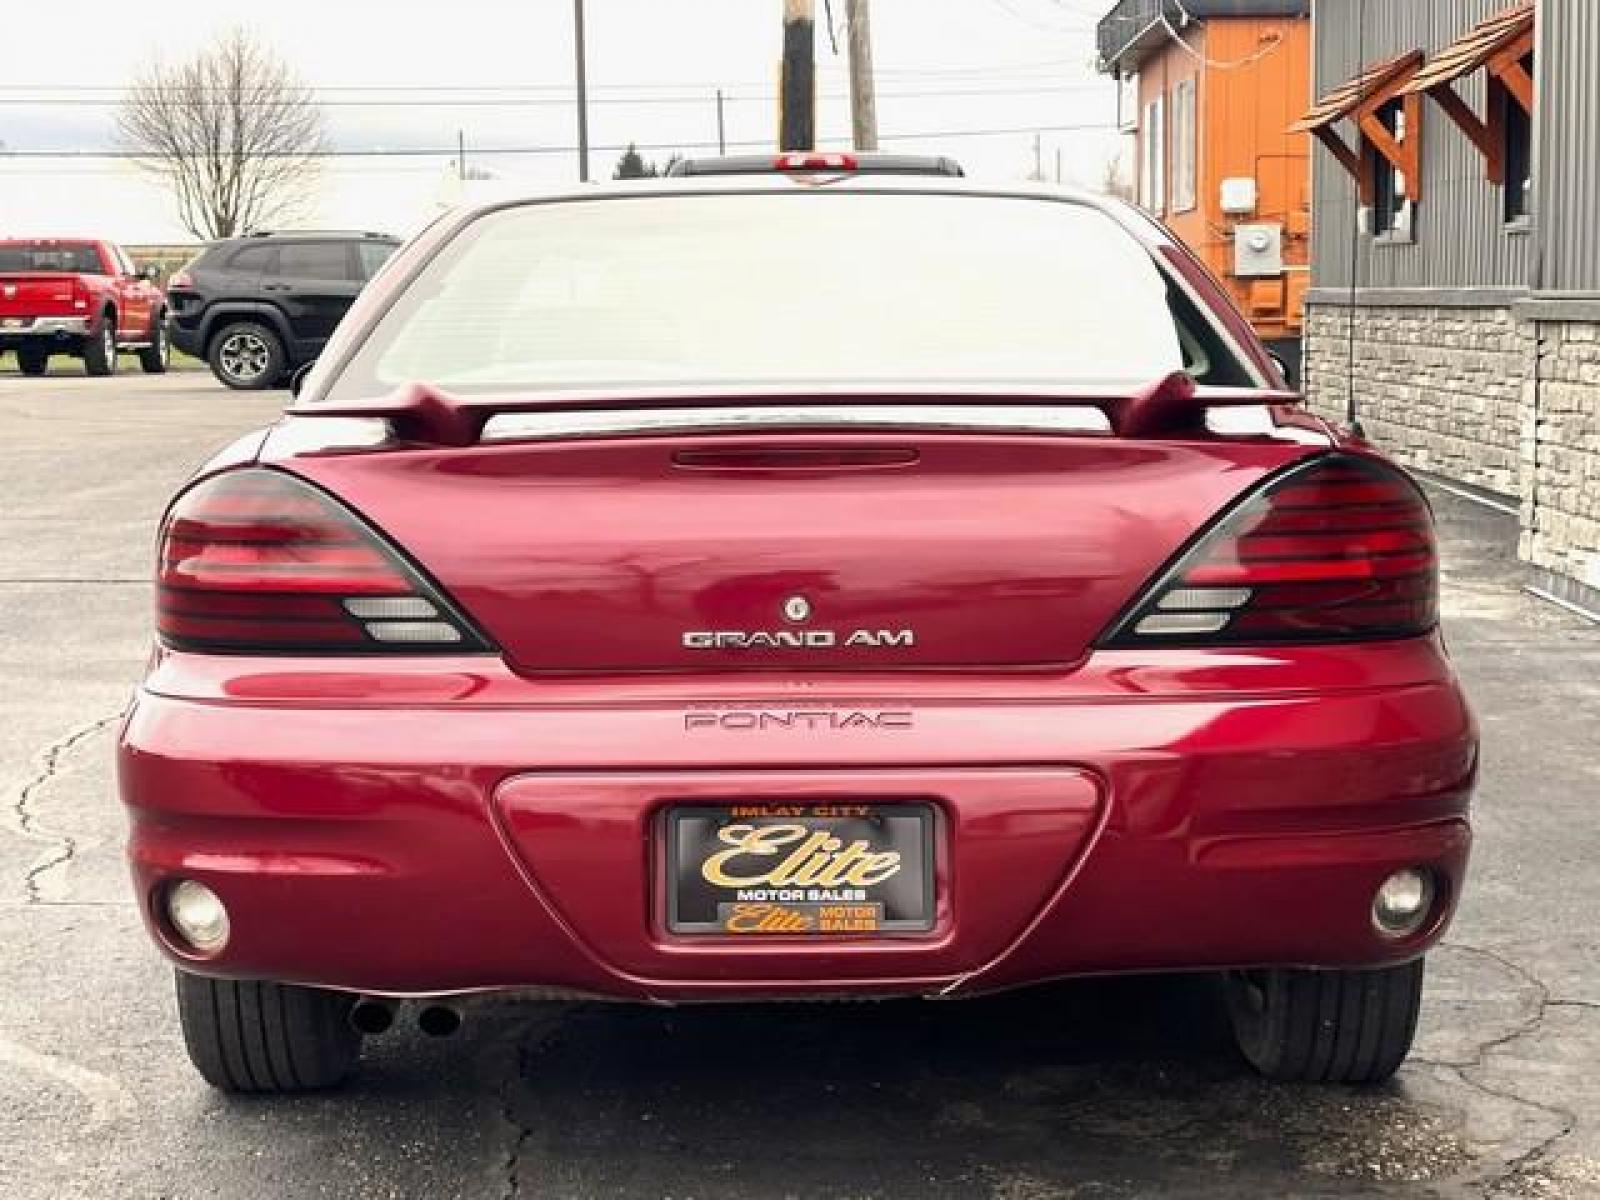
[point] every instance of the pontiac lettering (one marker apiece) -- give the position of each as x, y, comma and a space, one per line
807, 857
814, 719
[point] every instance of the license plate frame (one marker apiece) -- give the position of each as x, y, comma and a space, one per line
900, 904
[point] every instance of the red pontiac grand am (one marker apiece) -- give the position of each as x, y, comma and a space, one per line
825, 581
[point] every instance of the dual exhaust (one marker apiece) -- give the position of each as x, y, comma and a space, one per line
372, 1015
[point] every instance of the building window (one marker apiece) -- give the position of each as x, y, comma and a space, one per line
1153, 165
1185, 165
1391, 215
1128, 102
1518, 151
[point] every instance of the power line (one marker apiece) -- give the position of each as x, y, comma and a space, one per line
1007, 68
480, 151
1007, 7
1270, 41
998, 70
652, 101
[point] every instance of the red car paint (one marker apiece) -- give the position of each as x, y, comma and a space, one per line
425, 824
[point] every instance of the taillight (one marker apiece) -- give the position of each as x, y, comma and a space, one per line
256, 561
810, 160
1339, 549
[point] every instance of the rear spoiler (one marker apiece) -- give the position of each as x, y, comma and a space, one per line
1172, 406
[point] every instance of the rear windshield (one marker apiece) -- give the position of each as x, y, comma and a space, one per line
776, 288
55, 258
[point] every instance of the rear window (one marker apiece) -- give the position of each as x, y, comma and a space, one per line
776, 288
373, 255
51, 258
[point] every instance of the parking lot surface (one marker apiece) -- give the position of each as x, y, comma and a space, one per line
1089, 1089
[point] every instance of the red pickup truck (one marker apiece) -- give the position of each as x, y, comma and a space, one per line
79, 297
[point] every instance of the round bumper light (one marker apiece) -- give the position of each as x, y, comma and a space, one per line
1403, 902
198, 915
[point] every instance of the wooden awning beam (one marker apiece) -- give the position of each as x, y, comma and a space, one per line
1405, 155
1506, 66
1360, 101
1507, 79
1484, 134
1346, 158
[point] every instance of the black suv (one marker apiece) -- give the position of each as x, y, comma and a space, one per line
258, 307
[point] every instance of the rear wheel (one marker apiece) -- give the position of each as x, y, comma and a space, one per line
33, 360
1326, 1026
248, 356
250, 1036
100, 351
155, 357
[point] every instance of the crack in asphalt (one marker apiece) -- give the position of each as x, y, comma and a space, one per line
26, 820
532, 1032
524, 1131
1514, 1167
1589, 1004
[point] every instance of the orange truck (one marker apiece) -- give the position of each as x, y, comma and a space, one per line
1208, 91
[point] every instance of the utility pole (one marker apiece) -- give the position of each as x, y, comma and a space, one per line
1038, 157
722, 126
797, 93
863, 91
583, 91
461, 154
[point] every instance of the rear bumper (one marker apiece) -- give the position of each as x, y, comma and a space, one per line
60, 328
187, 335
446, 827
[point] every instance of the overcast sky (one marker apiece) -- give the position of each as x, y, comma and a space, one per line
945, 66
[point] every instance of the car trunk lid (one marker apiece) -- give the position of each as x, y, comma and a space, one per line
876, 550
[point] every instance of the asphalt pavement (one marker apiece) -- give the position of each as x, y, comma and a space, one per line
1092, 1089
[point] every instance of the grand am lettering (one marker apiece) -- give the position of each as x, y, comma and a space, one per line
750, 719
798, 639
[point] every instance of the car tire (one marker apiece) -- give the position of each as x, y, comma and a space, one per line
247, 356
155, 357
252, 1036
100, 350
1344, 1026
33, 360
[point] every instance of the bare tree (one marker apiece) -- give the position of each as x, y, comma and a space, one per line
232, 130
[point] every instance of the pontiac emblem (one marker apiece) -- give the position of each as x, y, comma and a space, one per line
796, 608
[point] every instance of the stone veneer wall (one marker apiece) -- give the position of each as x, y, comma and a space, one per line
1560, 481
1439, 388
1485, 396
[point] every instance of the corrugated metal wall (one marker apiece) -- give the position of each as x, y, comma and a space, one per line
1461, 240
1567, 193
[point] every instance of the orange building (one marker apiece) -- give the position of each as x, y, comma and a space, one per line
1209, 90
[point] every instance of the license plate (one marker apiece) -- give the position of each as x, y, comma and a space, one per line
852, 870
